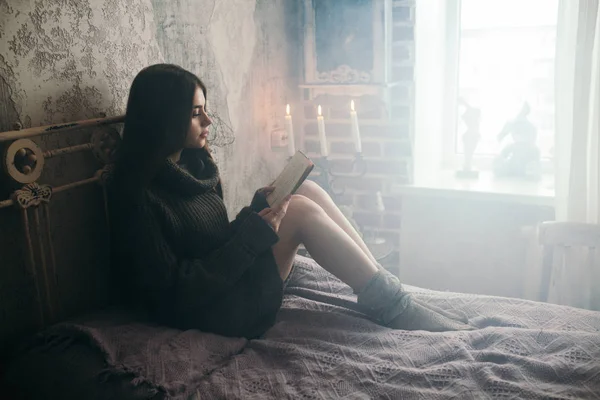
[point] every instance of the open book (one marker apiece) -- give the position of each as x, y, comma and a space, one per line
290, 179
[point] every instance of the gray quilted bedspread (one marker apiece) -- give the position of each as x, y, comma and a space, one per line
322, 348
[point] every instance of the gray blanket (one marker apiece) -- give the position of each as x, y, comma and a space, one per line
323, 348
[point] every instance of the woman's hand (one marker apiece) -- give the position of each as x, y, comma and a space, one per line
259, 201
265, 191
274, 216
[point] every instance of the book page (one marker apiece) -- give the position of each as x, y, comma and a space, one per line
292, 176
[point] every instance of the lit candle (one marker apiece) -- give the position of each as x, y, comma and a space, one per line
355, 130
379, 202
322, 138
289, 130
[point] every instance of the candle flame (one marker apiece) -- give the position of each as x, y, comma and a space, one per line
287, 109
319, 110
352, 105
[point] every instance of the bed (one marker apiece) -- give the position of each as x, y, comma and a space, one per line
321, 347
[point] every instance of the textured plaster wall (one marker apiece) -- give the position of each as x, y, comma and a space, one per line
243, 51
63, 60
70, 59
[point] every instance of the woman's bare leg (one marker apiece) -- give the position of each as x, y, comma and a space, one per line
379, 292
306, 222
316, 193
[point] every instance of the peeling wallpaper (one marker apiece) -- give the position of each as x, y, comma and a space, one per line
64, 60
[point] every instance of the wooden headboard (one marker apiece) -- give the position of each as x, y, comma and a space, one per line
53, 228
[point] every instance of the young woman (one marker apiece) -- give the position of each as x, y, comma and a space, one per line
177, 255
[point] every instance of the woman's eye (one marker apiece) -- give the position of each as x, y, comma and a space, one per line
198, 112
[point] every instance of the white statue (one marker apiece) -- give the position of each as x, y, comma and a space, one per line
470, 139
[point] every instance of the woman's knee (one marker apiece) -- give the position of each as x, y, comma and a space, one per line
302, 208
300, 213
302, 205
310, 189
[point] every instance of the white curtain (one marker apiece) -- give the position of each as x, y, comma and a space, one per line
577, 164
577, 111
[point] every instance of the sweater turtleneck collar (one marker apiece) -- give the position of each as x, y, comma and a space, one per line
200, 174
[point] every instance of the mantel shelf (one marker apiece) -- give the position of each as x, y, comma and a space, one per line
387, 122
352, 85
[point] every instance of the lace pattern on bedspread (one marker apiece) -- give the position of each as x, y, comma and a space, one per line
322, 347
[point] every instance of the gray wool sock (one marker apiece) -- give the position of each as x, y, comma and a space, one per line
383, 297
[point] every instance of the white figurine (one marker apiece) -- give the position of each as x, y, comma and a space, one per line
470, 139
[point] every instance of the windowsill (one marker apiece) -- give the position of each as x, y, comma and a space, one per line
486, 187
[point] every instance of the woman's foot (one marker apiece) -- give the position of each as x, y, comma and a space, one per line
418, 316
456, 315
384, 298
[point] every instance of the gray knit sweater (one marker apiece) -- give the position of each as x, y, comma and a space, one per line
177, 255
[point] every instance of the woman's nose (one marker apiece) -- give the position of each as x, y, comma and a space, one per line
206, 120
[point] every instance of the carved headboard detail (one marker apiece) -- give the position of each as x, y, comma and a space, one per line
23, 162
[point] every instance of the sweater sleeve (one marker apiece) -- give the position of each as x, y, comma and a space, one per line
199, 279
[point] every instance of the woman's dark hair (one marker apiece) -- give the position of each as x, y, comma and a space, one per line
157, 121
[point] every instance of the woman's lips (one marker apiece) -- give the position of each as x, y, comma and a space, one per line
204, 134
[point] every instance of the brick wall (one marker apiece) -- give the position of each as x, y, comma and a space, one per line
386, 127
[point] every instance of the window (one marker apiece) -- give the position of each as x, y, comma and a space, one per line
506, 60
496, 56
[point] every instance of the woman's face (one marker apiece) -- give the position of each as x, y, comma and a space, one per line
196, 137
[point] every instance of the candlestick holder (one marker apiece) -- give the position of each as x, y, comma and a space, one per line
326, 175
